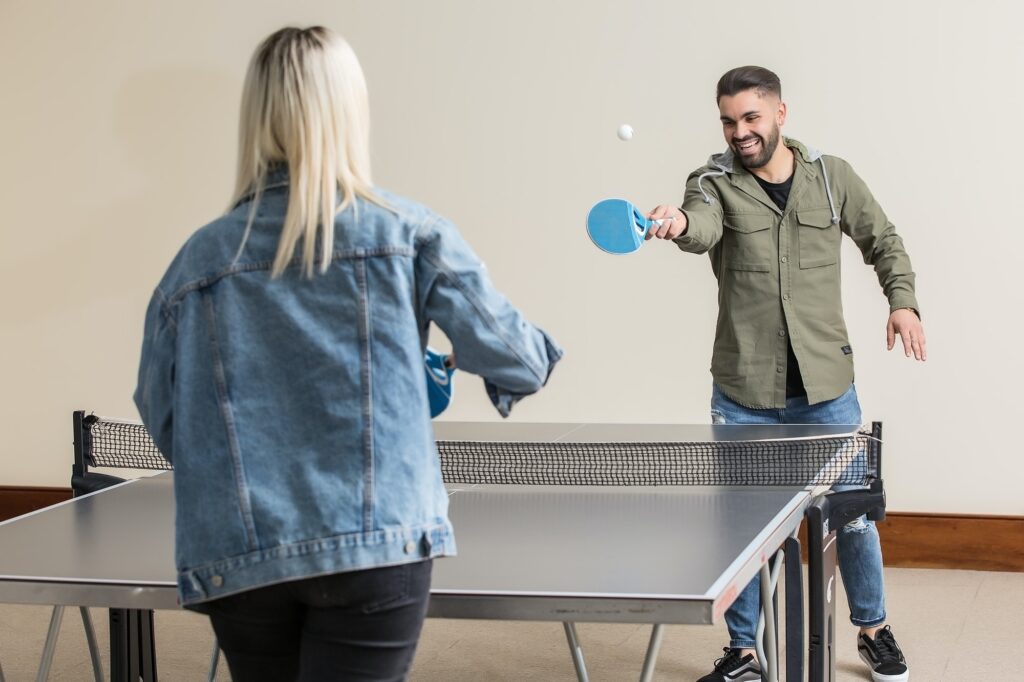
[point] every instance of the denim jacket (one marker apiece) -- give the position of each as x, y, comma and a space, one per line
295, 410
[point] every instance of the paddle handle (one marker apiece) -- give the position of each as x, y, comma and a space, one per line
643, 223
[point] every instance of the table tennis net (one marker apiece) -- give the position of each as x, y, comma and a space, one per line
120, 444
819, 461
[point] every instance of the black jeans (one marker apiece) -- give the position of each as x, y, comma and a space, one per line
354, 626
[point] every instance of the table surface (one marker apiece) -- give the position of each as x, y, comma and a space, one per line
671, 554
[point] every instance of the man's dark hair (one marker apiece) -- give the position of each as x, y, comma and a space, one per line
748, 78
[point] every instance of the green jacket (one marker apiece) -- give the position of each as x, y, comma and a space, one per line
778, 272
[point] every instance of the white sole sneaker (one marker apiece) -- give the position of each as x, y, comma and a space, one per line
879, 677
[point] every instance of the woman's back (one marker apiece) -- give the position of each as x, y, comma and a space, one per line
300, 412
282, 369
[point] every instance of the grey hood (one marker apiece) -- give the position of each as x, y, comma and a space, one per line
724, 163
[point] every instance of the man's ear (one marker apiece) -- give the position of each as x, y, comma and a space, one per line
780, 114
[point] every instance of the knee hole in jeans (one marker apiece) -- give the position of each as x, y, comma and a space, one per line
858, 525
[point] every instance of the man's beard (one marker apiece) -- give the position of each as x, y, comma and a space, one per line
768, 148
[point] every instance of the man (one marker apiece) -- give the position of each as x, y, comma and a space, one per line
771, 212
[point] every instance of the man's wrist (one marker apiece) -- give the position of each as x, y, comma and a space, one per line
686, 223
907, 307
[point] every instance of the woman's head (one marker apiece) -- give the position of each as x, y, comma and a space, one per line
304, 104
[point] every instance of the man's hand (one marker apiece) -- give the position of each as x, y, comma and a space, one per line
907, 324
673, 222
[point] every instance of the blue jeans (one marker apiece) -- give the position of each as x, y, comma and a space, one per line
859, 551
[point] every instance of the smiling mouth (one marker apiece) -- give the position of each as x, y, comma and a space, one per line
747, 146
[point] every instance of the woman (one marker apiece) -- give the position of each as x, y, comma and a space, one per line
282, 374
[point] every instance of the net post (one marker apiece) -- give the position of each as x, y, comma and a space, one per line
79, 467
876, 486
875, 445
821, 572
118, 619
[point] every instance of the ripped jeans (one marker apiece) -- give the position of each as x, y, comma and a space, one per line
859, 551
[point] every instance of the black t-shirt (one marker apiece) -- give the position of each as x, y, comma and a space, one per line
779, 193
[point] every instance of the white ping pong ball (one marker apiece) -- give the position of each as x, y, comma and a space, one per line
625, 132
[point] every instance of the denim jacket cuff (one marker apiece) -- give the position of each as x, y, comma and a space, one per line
503, 400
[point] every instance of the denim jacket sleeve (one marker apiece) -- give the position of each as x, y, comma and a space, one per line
154, 394
490, 337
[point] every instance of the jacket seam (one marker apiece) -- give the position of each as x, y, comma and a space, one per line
425, 224
330, 543
345, 254
165, 309
485, 315
220, 380
480, 309
314, 557
366, 377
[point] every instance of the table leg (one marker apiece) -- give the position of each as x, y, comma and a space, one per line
576, 651
90, 639
651, 659
51, 643
794, 612
767, 638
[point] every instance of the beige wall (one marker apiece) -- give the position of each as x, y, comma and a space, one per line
118, 125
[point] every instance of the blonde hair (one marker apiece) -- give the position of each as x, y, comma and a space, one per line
304, 104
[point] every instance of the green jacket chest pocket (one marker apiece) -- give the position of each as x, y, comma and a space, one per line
747, 242
819, 238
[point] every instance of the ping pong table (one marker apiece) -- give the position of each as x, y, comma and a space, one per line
541, 536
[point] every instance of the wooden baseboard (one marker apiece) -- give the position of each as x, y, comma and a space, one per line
909, 540
15, 500
964, 541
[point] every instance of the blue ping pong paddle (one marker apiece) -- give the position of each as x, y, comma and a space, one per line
439, 381
616, 226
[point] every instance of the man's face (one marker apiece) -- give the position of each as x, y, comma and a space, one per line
751, 125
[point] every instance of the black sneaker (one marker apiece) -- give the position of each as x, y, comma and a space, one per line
734, 668
883, 656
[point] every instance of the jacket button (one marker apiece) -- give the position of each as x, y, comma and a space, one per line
780, 370
410, 547
782, 332
785, 297
217, 581
784, 259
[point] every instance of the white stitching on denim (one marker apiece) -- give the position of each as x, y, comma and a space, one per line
366, 357
342, 254
220, 379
